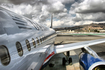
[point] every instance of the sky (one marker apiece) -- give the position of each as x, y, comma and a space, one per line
66, 13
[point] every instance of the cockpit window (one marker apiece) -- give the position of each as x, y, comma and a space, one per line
28, 45
33, 41
19, 48
4, 55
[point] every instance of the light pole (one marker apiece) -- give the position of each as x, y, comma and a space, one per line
51, 21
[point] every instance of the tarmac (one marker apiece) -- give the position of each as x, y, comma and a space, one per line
74, 54
57, 61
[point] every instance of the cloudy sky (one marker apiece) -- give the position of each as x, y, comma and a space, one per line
66, 12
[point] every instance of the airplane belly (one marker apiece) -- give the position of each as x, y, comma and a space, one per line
38, 63
31, 62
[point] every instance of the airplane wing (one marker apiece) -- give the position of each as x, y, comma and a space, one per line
73, 46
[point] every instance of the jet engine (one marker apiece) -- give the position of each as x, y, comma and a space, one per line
89, 60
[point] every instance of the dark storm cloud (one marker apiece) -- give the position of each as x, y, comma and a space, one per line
88, 10
51, 6
76, 19
91, 6
90, 17
79, 1
32, 2
92, 10
4, 1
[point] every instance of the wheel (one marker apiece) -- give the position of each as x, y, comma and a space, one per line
70, 60
51, 65
63, 61
68, 53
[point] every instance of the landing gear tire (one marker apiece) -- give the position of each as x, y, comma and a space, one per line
51, 65
70, 60
63, 61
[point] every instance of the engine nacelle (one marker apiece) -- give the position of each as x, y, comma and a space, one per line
88, 62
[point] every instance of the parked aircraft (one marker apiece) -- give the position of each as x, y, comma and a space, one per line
27, 45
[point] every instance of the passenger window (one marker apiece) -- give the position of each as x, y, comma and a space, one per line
43, 38
37, 40
28, 45
19, 48
4, 55
40, 40
33, 41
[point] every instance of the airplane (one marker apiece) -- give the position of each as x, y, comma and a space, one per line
27, 45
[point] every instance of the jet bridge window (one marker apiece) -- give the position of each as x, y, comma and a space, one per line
33, 41
19, 48
28, 45
4, 55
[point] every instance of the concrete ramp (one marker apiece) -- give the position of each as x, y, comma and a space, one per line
57, 60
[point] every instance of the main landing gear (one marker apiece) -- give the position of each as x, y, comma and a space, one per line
67, 59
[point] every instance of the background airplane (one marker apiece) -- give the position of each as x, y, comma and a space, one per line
27, 45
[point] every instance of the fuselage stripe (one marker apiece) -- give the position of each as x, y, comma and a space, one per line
49, 56
46, 60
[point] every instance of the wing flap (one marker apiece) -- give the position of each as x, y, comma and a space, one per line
73, 46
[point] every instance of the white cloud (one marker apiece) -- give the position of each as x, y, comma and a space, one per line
66, 22
72, 8
88, 11
83, 23
61, 15
56, 7
81, 12
62, 1
91, 6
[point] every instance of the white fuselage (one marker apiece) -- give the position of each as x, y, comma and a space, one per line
15, 28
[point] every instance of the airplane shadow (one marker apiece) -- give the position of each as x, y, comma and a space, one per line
57, 61
101, 53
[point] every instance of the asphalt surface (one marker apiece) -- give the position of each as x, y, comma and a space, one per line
65, 39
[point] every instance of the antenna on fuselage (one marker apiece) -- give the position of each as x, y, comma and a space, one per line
51, 21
